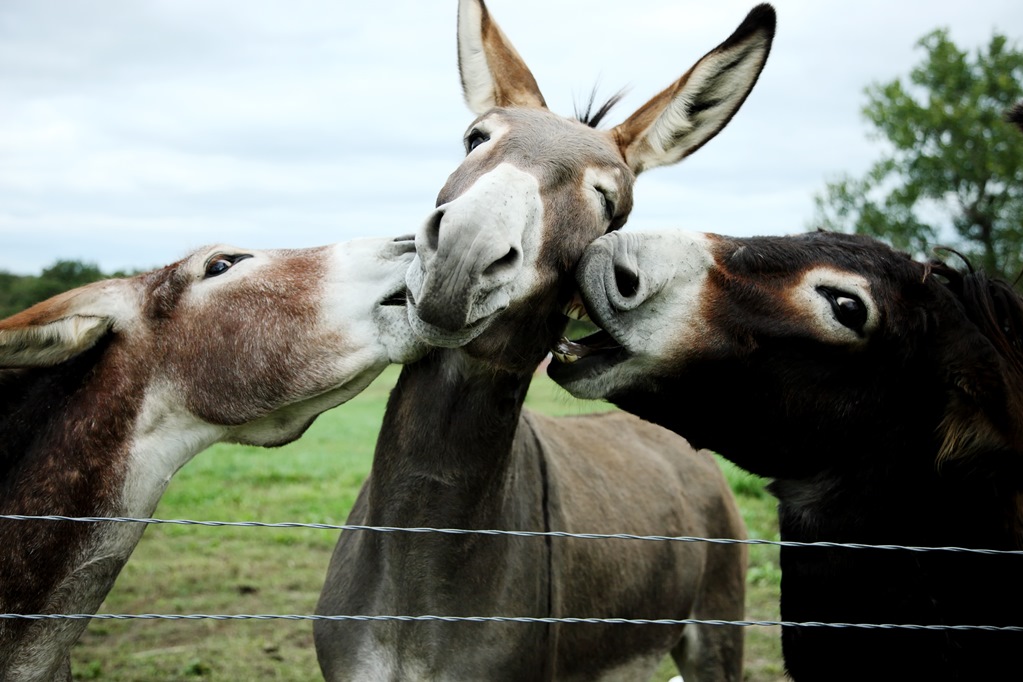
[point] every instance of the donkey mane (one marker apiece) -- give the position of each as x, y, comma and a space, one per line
12, 393
27, 402
992, 304
592, 118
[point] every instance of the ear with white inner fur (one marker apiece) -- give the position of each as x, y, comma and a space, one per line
61, 327
683, 117
493, 74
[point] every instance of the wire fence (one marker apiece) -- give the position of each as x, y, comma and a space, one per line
499, 618
512, 533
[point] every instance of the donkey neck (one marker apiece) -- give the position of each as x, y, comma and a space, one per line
958, 505
63, 452
74, 444
450, 432
902, 495
93, 435
454, 452
65, 430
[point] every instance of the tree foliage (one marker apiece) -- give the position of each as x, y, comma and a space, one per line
18, 292
952, 170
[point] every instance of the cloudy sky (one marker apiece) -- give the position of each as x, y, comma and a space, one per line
132, 131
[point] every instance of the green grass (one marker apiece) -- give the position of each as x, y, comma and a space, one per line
190, 569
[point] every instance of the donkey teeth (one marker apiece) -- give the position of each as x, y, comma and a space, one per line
564, 357
575, 310
567, 351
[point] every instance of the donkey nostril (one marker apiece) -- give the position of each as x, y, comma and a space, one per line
627, 281
432, 230
504, 262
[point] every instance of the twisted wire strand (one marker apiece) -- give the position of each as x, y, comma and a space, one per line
512, 533
491, 619
497, 619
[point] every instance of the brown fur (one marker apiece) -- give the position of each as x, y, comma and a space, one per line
38, 448
513, 79
118, 383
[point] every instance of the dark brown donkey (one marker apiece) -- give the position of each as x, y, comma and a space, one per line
492, 273
107, 390
884, 397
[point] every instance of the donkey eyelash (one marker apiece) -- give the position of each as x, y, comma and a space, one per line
221, 263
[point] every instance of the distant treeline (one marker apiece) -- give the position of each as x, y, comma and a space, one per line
18, 292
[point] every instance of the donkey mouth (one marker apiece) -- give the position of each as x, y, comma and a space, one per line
439, 336
396, 298
596, 342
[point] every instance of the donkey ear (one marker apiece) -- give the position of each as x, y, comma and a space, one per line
683, 117
982, 414
61, 327
493, 74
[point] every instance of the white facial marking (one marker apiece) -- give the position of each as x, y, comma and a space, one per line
360, 276
673, 270
662, 318
807, 297
502, 210
205, 287
520, 220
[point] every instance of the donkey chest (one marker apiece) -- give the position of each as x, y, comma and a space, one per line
899, 586
501, 659
452, 652
40, 650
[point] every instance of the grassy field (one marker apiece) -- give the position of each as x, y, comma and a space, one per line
191, 569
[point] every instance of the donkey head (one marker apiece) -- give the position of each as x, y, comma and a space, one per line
825, 346
535, 188
790, 355
254, 343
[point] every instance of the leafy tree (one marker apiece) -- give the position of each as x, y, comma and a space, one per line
18, 292
64, 275
952, 170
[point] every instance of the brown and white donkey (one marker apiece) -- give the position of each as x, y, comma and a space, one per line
107, 390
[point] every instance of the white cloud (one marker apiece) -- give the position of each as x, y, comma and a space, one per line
134, 130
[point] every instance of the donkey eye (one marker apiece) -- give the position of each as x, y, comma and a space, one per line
217, 266
607, 203
848, 308
475, 139
221, 263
